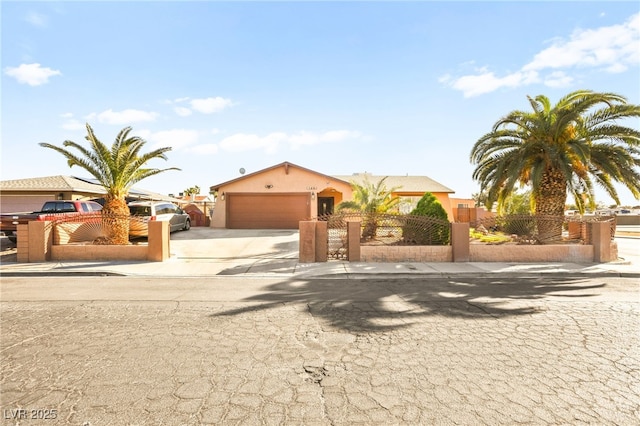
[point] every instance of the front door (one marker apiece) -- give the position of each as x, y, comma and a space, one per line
325, 205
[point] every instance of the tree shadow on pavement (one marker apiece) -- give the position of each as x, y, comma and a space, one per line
377, 305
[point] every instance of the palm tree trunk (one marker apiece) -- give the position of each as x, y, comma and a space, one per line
370, 226
550, 201
115, 220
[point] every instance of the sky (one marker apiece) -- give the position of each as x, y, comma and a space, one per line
389, 88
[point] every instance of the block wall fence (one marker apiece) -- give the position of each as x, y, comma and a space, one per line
600, 248
36, 244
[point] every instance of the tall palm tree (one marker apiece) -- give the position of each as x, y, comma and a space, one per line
117, 169
560, 149
370, 198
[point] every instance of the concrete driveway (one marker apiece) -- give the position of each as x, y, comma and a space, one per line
238, 250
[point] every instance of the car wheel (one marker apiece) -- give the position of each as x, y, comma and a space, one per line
187, 225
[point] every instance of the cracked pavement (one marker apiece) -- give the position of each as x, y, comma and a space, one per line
323, 352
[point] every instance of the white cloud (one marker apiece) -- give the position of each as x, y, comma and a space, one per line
175, 138
612, 49
66, 115
558, 79
242, 142
486, 82
600, 47
210, 105
73, 124
307, 138
272, 142
127, 116
37, 19
31, 74
205, 149
182, 111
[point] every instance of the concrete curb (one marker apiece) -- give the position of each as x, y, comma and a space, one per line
336, 276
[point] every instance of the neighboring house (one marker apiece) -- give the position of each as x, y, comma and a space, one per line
279, 197
409, 189
199, 208
465, 210
27, 195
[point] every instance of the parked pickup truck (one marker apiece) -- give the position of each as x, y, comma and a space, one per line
50, 211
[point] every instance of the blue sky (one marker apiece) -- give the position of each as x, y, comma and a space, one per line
391, 88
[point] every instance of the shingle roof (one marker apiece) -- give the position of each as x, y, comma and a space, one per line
71, 184
51, 183
405, 183
285, 164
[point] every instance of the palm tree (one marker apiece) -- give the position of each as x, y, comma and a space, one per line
370, 198
117, 169
560, 149
194, 190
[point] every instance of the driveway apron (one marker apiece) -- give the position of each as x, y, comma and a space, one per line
238, 251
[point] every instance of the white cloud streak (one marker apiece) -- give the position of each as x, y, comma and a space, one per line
73, 124
611, 49
37, 19
31, 74
182, 111
210, 105
270, 143
175, 138
126, 116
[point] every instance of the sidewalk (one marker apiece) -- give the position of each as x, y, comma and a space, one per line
291, 268
257, 261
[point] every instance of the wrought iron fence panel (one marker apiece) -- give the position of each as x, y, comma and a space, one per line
384, 229
536, 229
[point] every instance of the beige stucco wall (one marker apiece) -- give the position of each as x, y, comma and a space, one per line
277, 180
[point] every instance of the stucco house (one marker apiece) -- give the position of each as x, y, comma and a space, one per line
409, 189
27, 195
279, 197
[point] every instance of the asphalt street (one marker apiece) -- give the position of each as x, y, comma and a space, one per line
240, 350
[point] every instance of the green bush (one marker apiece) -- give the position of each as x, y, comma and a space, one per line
435, 233
430, 206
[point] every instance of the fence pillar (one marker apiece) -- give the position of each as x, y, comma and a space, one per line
307, 241
22, 244
601, 240
460, 242
158, 241
322, 241
40, 241
353, 241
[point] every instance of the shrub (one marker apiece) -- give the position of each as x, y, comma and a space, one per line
428, 233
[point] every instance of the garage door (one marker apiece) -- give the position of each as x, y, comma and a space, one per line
23, 203
266, 211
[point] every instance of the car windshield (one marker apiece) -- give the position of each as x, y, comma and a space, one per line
140, 210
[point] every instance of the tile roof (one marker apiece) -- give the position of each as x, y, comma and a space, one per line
405, 183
